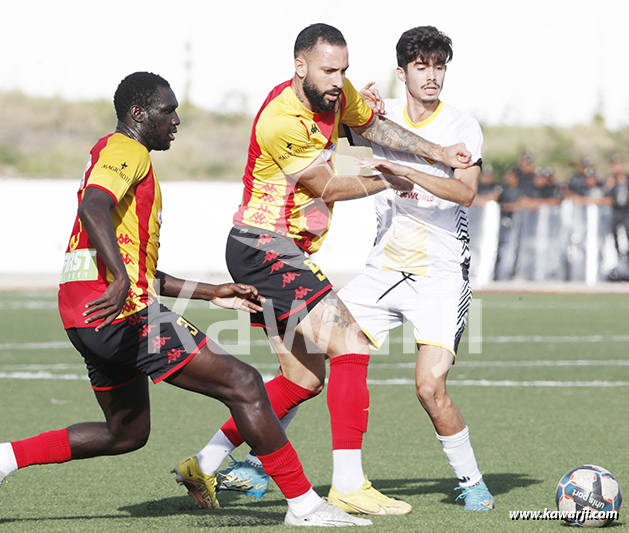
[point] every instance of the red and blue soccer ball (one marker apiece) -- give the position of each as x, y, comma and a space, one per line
588, 496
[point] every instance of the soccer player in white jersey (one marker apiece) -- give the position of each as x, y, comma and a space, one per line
418, 267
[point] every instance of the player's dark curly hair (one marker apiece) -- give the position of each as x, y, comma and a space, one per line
139, 88
309, 37
425, 43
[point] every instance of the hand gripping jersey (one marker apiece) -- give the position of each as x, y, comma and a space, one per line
122, 167
418, 232
286, 138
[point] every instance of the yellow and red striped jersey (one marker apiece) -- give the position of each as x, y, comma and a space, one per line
286, 138
122, 167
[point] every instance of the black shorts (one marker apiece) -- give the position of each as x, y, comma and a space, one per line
281, 271
153, 341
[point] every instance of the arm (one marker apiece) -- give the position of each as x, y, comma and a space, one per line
461, 189
227, 295
388, 134
322, 183
95, 215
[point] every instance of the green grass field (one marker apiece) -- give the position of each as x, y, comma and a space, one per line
546, 391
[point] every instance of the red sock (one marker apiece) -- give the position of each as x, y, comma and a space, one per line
348, 400
283, 395
285, 468
43, 449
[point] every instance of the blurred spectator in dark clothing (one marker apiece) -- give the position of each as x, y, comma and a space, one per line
487, 189
585, 188
617, 183
545, 190
509, 193
576, 182
510, 200
525, 169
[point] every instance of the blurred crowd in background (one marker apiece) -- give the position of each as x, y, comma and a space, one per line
584, 204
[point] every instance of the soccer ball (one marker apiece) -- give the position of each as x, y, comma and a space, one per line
588, 496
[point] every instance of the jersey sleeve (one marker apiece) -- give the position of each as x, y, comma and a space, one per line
356, 113
120, 167
285, 138
472, 136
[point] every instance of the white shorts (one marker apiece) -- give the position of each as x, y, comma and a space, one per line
381, 300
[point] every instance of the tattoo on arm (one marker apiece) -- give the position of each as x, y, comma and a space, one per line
388, 134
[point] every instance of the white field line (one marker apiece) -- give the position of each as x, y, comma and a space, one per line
46, 372
509, 339
506, 383
505, 339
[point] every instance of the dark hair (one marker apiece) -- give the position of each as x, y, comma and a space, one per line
425, 43
309, 37
139, 88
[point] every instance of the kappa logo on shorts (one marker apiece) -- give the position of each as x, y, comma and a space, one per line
271, 256
278, 265
289, 277
134, 320
265, 239
158, 342
174, 354
145, 330
301, 292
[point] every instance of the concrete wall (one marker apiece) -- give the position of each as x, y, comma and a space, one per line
37, 216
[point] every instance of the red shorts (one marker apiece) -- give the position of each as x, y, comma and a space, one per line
154, 341
281, 271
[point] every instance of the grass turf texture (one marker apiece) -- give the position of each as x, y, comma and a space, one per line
525, 437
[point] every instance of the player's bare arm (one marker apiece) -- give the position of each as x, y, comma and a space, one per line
228, 295
324, 184
460, 189
388, 134
95, 214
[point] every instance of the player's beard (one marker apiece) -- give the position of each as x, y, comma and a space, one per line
317, 98
429, 100
154, 139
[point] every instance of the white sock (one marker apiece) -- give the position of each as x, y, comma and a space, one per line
214, 453
288, 417
252, 457
347, 473
8, 463
304, 504
458, 449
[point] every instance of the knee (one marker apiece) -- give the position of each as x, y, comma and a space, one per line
250, 387
136, 442
313, 381
309, 378
131, 439
432, 397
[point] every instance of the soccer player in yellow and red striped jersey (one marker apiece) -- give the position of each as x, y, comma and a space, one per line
289, 190
107, 301
121, 167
